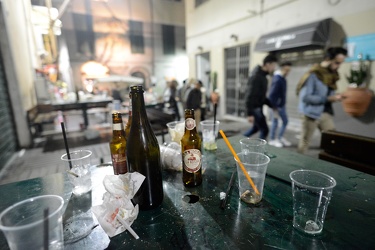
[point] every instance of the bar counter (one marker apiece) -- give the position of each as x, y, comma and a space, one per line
191, 218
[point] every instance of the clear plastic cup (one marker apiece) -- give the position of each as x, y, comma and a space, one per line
171, 156
253, 145
176, 130
312, 192
79, 170
25, 226
209, 135
256, 166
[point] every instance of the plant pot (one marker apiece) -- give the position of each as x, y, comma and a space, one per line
356, 100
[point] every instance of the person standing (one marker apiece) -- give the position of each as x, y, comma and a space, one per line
203, 103
170, 98
184, 91
256, 96
277, 97
316, 91
194, 100
116, 95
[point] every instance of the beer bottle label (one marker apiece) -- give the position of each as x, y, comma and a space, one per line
116, 126
119, 163
192, 160
189, 123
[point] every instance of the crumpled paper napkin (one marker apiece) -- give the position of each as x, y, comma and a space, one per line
117, 202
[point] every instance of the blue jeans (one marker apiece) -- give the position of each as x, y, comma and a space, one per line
275, 123
260, 124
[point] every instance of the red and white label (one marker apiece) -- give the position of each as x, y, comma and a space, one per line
192, 160
119, 163
118, 158
189, 123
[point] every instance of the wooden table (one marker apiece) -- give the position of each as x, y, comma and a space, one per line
183, 222
82, 105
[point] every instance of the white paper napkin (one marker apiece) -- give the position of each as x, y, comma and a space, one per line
117, 202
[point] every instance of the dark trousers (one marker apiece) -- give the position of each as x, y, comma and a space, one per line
203, 114
260, 124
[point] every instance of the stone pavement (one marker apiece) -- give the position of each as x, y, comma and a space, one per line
32, 163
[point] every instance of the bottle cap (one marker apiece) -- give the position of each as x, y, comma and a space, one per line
136, 88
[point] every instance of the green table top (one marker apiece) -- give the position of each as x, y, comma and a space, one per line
179, 224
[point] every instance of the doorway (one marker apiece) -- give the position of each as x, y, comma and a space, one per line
204, 69
237, 61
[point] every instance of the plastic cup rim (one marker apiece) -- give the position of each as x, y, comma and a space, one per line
15, 228
262, 141
254, 164
174, 122
315, 172
209, 122
65, 158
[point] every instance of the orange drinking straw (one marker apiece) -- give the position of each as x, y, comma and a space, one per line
239, 162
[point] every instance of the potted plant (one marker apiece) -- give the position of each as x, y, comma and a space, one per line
357, 97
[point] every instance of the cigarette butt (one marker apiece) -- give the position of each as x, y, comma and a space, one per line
74, 174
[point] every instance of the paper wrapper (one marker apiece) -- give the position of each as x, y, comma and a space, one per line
117, 202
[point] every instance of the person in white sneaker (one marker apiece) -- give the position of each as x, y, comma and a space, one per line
316, 92
277, 97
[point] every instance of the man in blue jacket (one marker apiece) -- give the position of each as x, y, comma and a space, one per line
316, 92
256, 96
277, 97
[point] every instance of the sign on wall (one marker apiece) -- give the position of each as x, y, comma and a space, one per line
364, 44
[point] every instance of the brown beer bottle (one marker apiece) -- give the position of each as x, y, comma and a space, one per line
143, 154
117, 145
191, 152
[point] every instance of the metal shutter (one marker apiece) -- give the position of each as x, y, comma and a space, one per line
8, 139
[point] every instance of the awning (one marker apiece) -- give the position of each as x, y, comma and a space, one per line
120, 79
318, 34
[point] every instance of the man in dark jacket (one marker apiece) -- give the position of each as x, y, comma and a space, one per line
256, 96
194, 101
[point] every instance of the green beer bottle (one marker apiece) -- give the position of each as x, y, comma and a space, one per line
143, 154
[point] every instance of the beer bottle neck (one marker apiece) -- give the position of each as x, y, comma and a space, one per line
117, 124
190, 124
138, 110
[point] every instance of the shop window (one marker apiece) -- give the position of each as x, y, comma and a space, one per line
168, 39
136, 37
84, 34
